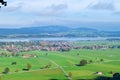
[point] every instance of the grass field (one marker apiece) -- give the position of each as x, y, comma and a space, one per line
61, 64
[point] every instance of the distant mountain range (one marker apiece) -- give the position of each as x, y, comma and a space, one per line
56, 31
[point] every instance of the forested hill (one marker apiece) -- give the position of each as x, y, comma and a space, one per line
44, 29
56, 31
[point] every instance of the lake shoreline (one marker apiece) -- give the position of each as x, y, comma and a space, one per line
58, 39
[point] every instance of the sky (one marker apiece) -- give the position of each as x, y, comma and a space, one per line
72, 13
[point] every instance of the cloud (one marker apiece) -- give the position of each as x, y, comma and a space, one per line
116, 13
59, 7
12, 7
59, 11
38, 7
102, 5
52, 10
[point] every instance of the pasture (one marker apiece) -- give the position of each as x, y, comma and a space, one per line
62, 63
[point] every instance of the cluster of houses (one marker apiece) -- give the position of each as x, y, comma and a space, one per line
48, 46
93, 47
31, 46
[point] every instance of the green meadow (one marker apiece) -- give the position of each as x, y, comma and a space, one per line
62, 63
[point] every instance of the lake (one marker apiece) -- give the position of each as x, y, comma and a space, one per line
56, 39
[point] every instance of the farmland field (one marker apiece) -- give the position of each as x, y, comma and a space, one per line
62, 63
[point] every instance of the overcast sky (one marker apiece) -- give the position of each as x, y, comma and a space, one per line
25, 13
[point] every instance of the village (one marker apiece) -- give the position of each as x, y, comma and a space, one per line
49, 46
63, 46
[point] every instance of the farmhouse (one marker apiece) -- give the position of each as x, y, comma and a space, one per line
99, 73
29, 55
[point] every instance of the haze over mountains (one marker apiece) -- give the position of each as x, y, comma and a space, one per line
44, 29
56, 31
103, 26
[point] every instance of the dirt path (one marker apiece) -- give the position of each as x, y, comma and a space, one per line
61, 68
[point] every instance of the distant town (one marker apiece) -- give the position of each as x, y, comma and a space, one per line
63, 46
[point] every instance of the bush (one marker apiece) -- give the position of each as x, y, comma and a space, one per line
70, 74
6, 70
101, 60
16, 70
90, 61
29, 66
83, 62
116, 76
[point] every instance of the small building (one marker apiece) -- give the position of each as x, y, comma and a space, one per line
29, 55
99, 73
